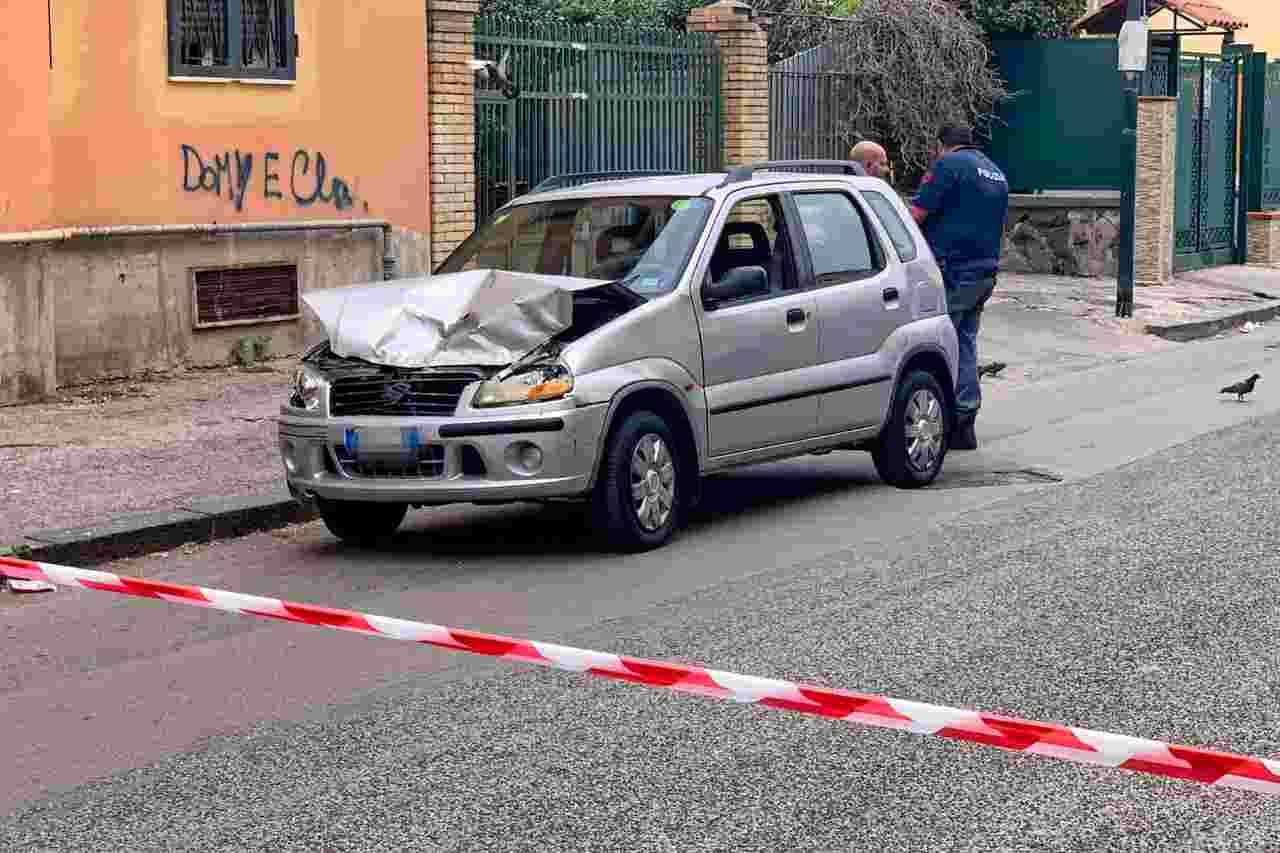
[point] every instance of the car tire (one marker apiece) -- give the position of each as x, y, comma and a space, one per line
361, 522
919, 411
638, 500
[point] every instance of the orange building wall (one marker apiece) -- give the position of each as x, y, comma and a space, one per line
119, 124
26, 164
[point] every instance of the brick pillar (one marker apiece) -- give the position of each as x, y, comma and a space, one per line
1157, 165
744, 78
452, 122
1264, 238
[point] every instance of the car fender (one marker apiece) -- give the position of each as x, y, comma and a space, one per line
636, 377
914, 349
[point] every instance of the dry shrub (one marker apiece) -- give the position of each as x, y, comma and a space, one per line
905, 68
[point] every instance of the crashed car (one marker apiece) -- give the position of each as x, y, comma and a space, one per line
616, 341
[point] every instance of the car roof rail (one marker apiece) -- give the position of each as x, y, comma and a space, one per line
739, 174
557, 182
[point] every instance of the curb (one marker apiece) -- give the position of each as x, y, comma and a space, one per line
197, 521
1198, 329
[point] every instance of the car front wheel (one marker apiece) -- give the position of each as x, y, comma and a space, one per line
637, 502
362, 522
910, 449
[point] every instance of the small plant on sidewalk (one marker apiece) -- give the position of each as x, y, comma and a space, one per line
252, 349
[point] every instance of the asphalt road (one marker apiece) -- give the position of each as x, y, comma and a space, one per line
1136, 596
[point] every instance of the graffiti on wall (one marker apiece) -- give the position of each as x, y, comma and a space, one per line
305, 179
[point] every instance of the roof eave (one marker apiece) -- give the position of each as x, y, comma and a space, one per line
1107, 20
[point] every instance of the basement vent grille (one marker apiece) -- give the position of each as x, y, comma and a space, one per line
237, 295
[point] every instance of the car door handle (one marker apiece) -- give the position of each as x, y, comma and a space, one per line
795, 316
891, 294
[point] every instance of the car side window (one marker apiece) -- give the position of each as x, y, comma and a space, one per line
841, 245
755, 234
903, 242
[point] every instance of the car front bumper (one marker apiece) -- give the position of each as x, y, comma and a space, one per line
459, 459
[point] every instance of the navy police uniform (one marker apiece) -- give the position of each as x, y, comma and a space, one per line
967, 199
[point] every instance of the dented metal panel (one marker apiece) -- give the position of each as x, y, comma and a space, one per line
480, 317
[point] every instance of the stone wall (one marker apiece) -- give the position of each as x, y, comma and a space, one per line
88, 309
1264, 238
1074, 234
1078, 233
1154, 190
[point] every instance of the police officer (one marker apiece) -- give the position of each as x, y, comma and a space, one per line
962, 206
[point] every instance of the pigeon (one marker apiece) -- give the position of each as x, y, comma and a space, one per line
991, 369
499, 71
1242, 388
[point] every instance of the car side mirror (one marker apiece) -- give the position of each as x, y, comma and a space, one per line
738, 283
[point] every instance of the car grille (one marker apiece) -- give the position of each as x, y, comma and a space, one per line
387, 392
423, 463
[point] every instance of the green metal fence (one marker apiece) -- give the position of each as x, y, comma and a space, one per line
1063, 130
1271, 140
592, 99
806, 119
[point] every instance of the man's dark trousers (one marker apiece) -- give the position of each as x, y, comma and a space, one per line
966, 297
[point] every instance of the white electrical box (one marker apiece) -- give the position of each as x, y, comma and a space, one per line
1133, 46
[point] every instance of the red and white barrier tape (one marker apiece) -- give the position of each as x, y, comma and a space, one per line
1067, 743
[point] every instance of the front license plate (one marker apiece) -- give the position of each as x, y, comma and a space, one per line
382, 440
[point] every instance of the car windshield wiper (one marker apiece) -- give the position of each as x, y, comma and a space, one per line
620, 287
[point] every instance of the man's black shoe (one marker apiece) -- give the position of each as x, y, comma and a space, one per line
963, 437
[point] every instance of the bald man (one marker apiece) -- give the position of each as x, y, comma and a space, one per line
873, 158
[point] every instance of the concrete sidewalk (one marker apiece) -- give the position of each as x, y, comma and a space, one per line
1045, 326
133, 466
122, 468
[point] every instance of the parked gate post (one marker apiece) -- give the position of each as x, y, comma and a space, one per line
744, 78
452, 121
1155, 190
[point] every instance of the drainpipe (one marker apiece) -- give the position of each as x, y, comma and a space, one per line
61, 235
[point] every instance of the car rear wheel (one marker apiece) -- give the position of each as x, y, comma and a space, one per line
910, 449
362, 522
638, 501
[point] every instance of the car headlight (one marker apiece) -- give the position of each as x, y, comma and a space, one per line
307, 390
535, 383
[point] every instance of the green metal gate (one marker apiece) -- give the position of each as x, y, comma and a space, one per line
592, 99
1205, 227
1271, 140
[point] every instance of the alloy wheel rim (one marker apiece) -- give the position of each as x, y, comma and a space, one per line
653, 482
924, 430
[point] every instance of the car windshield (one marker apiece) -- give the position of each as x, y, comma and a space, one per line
644, 242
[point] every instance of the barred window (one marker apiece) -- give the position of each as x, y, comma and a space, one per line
232, 38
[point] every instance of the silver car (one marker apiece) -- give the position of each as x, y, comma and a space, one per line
714, 321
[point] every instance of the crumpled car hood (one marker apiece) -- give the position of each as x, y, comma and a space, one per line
480, 317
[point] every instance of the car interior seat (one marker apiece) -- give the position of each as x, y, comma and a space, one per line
726, 257
615, 241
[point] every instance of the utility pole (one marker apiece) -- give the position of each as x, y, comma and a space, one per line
1133, 61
